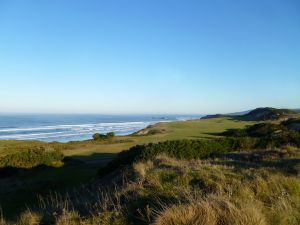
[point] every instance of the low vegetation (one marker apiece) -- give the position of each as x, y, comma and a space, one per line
228, 190
101, 137
181, 149
31, 158
271, 135
260, 136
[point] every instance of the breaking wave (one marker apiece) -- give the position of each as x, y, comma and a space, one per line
49, 133
70, 128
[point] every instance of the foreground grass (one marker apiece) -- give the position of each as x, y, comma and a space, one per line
259, 188
221, 191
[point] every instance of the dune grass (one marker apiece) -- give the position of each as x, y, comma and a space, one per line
167, 191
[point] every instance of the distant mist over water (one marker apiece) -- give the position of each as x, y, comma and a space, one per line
64, 128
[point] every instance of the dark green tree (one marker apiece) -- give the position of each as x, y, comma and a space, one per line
110, 135
98, 136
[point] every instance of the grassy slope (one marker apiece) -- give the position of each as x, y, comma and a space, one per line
235, 189
249, 188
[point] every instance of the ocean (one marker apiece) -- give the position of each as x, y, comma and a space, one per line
64, 128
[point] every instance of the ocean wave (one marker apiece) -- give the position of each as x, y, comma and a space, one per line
71, 126
69, 130
41, 136
49, 129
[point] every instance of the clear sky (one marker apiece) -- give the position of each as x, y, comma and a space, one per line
148, 56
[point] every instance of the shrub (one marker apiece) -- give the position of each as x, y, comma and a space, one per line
180, 149
110, 135
98, 137
199, 149
31, 158
269, 135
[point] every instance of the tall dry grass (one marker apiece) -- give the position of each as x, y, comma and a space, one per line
211, 211
167, 191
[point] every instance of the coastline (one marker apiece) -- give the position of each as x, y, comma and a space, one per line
65, 129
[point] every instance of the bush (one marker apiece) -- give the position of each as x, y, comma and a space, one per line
101, 137
98, 137
269, 135
180, 149
200, 149
31, 158
110, 135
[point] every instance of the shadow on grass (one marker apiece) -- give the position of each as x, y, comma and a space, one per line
228, 132
204, 137
235, 118
20, 187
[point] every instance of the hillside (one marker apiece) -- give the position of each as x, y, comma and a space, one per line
259, 114
267, 113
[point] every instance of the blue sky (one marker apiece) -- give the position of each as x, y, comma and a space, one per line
148, 56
